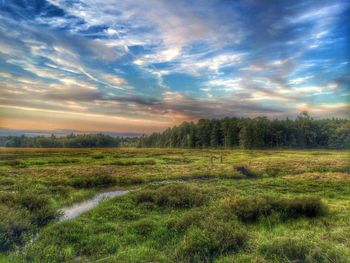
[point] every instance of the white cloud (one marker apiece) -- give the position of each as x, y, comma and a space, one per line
300, 80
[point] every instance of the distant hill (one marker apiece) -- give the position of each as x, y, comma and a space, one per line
63, 132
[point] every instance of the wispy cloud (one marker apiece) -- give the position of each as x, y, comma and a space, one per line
169, 61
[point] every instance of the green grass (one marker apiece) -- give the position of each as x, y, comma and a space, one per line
183, 208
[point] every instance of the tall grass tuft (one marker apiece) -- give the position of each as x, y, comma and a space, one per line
93, 180
176, 196
211, 239
302, 250
253, 208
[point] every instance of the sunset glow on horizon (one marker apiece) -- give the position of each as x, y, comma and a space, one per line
142, 66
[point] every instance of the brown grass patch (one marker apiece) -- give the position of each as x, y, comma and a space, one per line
326, 176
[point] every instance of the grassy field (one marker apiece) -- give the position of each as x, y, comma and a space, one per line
185, 205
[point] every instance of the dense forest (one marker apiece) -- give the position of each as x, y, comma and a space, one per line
256, 133
247, 133
69, 141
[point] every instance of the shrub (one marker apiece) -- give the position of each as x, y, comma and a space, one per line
94, 180
176, 196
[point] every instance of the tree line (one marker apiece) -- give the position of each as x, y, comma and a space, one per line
69, 141
254, 133
247, 133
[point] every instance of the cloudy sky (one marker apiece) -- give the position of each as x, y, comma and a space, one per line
141, 66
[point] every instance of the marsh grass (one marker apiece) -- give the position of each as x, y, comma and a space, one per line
254, 208
210, 241
132, 162
16, 163
176, 196
182, 209
301, 250
21, 215
93, 180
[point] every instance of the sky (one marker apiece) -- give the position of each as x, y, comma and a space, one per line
142, 66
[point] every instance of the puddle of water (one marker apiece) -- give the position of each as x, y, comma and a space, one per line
77, 209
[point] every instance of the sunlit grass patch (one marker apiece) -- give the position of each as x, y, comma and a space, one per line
133, 162
326, 176
181, 207
295, 249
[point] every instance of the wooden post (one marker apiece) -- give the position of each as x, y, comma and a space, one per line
221, 158
211, 158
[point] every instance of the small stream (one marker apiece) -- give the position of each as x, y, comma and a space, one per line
70, 212
75, 210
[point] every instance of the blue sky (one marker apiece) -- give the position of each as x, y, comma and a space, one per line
141, 66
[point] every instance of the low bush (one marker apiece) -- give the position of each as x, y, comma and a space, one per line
94, 180
253, 208
176, 196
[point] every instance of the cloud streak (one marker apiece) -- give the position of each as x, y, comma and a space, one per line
170, 61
